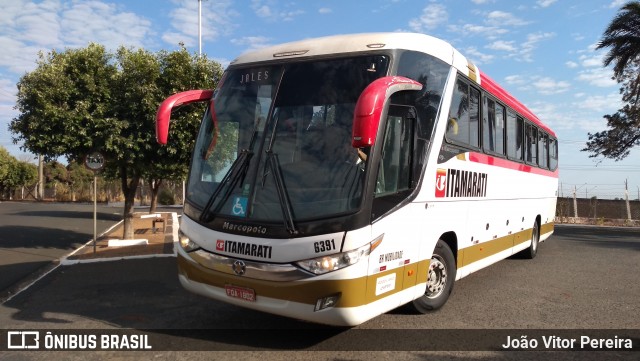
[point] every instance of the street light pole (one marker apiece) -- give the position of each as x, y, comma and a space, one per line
184, 187
199, 27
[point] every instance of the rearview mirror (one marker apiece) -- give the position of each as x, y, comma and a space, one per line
163, 116
370, 105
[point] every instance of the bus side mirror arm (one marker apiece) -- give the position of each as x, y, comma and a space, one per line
370, 105
163, 116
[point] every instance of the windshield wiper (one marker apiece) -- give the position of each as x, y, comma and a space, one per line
237, 172
285, 204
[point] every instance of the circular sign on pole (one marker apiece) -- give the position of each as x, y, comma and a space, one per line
94, 161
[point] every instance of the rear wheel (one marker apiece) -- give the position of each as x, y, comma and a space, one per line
530, 253
440, 279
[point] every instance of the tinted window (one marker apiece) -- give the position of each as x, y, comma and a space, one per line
432, 73
543, 153
462, 126
493, 126
515, 131
531, 144
499, 138
553, 153
394, 174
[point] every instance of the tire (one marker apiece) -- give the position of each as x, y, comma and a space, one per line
530, 253
440, 279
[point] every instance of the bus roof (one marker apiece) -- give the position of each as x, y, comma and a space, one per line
341, 44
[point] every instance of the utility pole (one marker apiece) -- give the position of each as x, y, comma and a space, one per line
575, 203
40, 191
199, 27
626, 198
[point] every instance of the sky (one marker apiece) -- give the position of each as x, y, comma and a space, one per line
541, 51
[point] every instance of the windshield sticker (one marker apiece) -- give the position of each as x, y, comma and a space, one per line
254, 76
239, 207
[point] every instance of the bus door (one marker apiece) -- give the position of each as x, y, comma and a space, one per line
394, 264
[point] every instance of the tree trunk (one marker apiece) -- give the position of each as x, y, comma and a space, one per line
154, 186
129, 190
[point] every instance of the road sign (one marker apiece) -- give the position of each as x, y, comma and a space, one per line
94, 161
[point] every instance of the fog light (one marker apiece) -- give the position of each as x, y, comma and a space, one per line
326, 302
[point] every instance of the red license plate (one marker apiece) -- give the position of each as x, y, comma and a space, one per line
246, 294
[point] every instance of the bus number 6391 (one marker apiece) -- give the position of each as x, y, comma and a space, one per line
324, 246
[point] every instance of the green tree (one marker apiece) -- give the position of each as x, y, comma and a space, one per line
14, 173
26, 174
6, 162
622, 37
87, 99
55, 173
78, 178
179, 71
7, 166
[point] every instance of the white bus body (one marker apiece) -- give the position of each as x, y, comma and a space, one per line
447, 174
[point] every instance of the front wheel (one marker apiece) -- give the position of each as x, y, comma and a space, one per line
440, 279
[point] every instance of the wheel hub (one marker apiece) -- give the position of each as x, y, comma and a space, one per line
437, 278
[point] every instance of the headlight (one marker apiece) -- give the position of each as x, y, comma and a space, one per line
337, 261
186, 243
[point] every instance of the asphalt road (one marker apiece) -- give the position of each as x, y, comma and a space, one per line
584, 279
33, 235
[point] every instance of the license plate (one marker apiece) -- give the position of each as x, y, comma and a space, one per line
246, 294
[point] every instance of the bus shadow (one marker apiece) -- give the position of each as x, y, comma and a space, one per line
145, 295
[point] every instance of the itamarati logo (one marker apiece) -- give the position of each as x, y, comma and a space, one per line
460, 183
441, 183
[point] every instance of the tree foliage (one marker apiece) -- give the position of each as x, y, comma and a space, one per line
88, 99
622, 37
14, 173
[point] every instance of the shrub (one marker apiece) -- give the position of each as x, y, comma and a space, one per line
166, 197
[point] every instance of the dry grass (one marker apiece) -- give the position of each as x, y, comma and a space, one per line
159, 242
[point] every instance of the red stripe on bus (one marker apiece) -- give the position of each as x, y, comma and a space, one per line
497, 91
504, 163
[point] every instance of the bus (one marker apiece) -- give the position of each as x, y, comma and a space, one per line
338, 178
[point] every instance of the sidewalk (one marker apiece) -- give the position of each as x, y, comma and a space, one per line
149, 241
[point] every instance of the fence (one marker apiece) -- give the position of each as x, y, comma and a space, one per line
107, 192
597, 211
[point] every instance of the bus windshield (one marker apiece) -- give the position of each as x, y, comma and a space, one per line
276, 144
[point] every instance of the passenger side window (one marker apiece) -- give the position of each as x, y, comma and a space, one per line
463, 125
531, 146
500, 123
493, 126
543, 143
515, 130
553, 153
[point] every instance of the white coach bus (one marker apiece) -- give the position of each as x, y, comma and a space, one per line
335, 179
